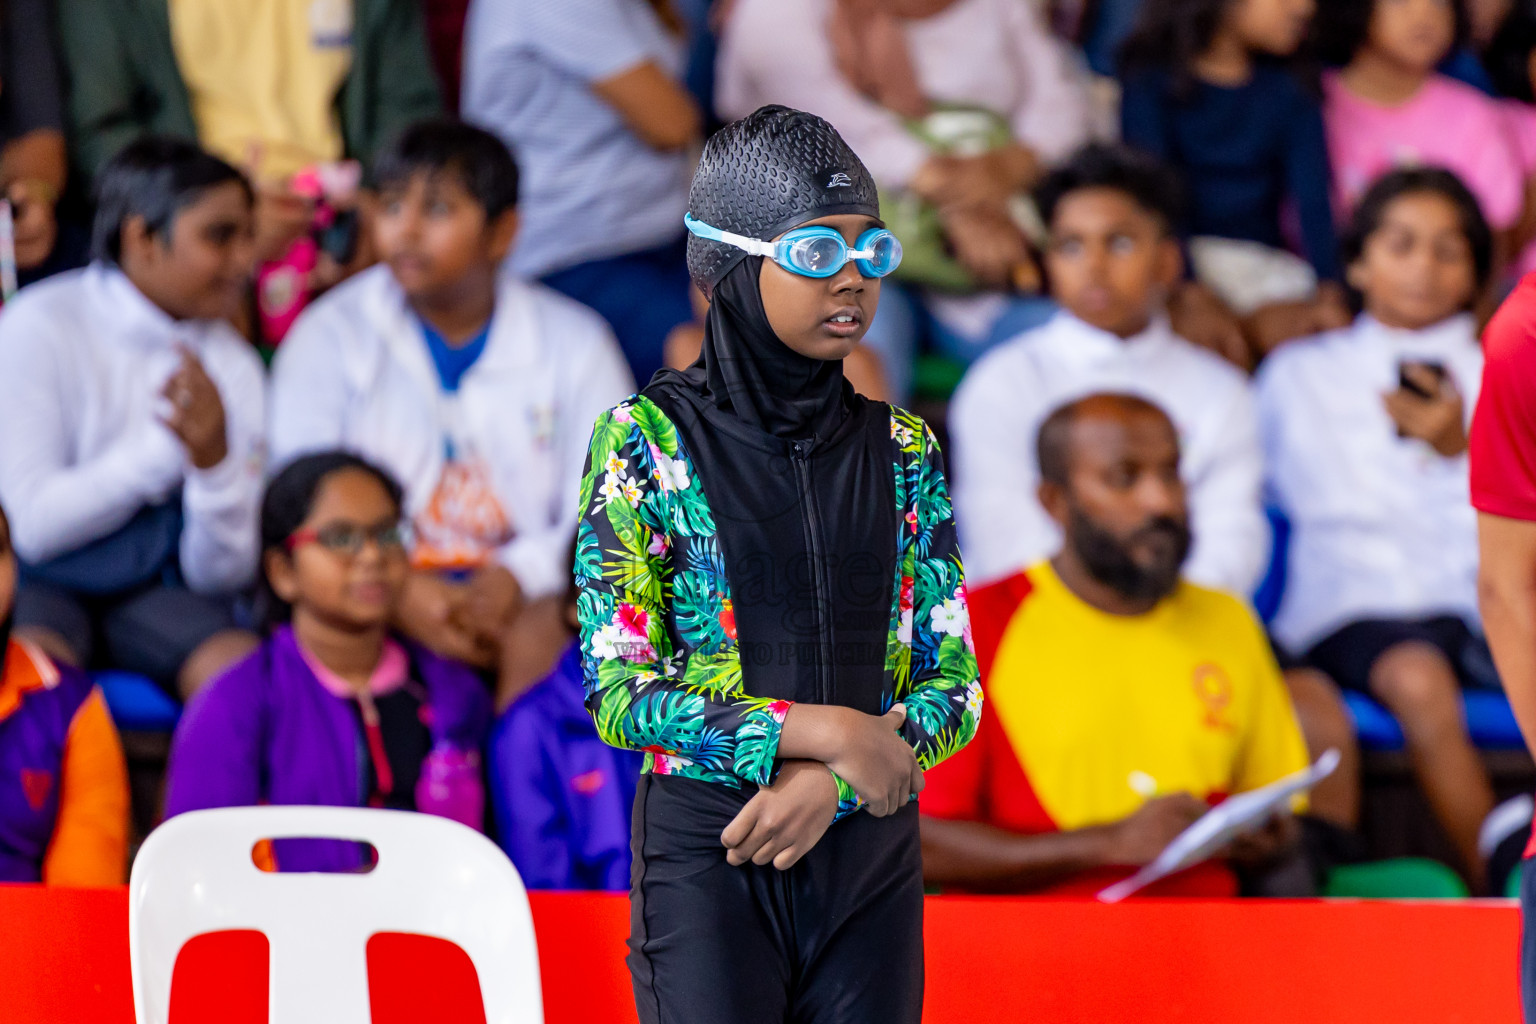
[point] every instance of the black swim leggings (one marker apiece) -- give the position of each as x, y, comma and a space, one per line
836, 938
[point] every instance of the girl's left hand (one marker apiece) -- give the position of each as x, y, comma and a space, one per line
783, 821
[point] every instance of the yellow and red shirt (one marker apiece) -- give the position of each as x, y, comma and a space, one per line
1188, 694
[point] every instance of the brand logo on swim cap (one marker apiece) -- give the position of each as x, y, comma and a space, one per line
840, 180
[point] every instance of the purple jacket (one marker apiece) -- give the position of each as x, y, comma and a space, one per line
32, 742
561, 796
267, 731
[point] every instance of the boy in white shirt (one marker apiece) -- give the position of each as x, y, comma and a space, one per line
1111, 262
131, 427
1365, 432
476, 390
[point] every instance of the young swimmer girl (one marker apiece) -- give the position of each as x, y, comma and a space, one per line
773, 608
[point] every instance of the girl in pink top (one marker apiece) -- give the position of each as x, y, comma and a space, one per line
1387, 107
1511, 62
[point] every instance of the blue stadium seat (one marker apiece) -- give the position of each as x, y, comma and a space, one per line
1374, 724
137, 704
1489, 720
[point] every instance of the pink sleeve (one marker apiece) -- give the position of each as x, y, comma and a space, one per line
1521, 120
1055, 115
776, 52
1498, 175
1349, 141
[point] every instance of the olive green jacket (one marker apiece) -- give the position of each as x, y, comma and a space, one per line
123, 81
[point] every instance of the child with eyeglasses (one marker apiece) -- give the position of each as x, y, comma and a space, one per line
333, 709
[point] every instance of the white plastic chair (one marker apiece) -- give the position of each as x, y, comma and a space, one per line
435, 877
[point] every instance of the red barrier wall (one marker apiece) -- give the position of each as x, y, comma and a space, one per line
64, 957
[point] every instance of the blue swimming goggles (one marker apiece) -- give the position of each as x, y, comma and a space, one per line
816, 251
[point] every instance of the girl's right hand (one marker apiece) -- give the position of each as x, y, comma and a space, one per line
873, 758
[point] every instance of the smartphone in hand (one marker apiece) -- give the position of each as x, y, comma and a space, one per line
1406, 381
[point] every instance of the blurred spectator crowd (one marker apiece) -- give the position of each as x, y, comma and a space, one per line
319, 300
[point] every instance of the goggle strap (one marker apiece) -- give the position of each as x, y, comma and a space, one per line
753, 246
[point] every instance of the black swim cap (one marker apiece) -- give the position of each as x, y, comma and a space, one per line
774, 169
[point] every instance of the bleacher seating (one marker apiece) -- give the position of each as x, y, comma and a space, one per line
1489, 720
136, 703
1489, 717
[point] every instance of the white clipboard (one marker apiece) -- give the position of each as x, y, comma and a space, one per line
1221, 824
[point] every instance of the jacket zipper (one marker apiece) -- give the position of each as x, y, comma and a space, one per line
811, 518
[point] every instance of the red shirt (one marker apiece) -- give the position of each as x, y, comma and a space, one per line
1502, 446
1503, 440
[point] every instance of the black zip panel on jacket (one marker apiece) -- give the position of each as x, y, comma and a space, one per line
809, 543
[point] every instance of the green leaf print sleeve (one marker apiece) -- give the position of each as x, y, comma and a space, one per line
939, 682
658, 634
929, 656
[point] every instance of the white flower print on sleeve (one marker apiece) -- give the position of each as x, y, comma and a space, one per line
671, 474
951, 617
607, 641
973, 698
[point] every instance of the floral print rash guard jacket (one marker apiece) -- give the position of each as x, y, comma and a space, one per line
660, 660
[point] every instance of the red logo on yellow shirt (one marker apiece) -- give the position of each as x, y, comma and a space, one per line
1213, 687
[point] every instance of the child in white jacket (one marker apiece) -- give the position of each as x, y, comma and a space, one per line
131, 426
1365, 431
476, 390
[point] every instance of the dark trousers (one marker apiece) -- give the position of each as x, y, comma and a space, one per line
836, 938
